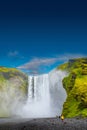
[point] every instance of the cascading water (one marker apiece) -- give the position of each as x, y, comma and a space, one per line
38, 103
38, 88
46, 95
57, 92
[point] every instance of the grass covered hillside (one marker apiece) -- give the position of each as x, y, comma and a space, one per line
76, 87
13, 90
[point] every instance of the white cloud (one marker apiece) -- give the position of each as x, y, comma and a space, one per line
13, 53
34, 64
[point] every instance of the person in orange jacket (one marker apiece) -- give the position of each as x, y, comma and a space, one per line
62, 117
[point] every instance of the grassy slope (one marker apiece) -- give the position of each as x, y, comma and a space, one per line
76, 87
6, 74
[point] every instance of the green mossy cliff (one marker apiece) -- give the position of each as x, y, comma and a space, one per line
76, 87
13, 90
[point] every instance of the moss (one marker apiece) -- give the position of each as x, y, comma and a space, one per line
76, 87
63, 67
68, 82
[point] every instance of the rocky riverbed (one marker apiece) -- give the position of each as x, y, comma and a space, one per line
44, 124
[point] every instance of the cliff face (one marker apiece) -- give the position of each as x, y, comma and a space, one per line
76, 87
13, 90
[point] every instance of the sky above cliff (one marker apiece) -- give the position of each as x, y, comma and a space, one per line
39, 35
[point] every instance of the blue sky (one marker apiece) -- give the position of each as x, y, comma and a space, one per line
42, 33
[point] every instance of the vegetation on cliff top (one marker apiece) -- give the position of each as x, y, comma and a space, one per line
76, 87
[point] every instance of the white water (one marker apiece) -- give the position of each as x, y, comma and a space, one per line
46, 95
57, 92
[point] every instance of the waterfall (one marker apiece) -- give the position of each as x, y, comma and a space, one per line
57, 92
38, 103
38, 88
46, 95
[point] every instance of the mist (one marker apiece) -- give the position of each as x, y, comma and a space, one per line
10, 98
46, 95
